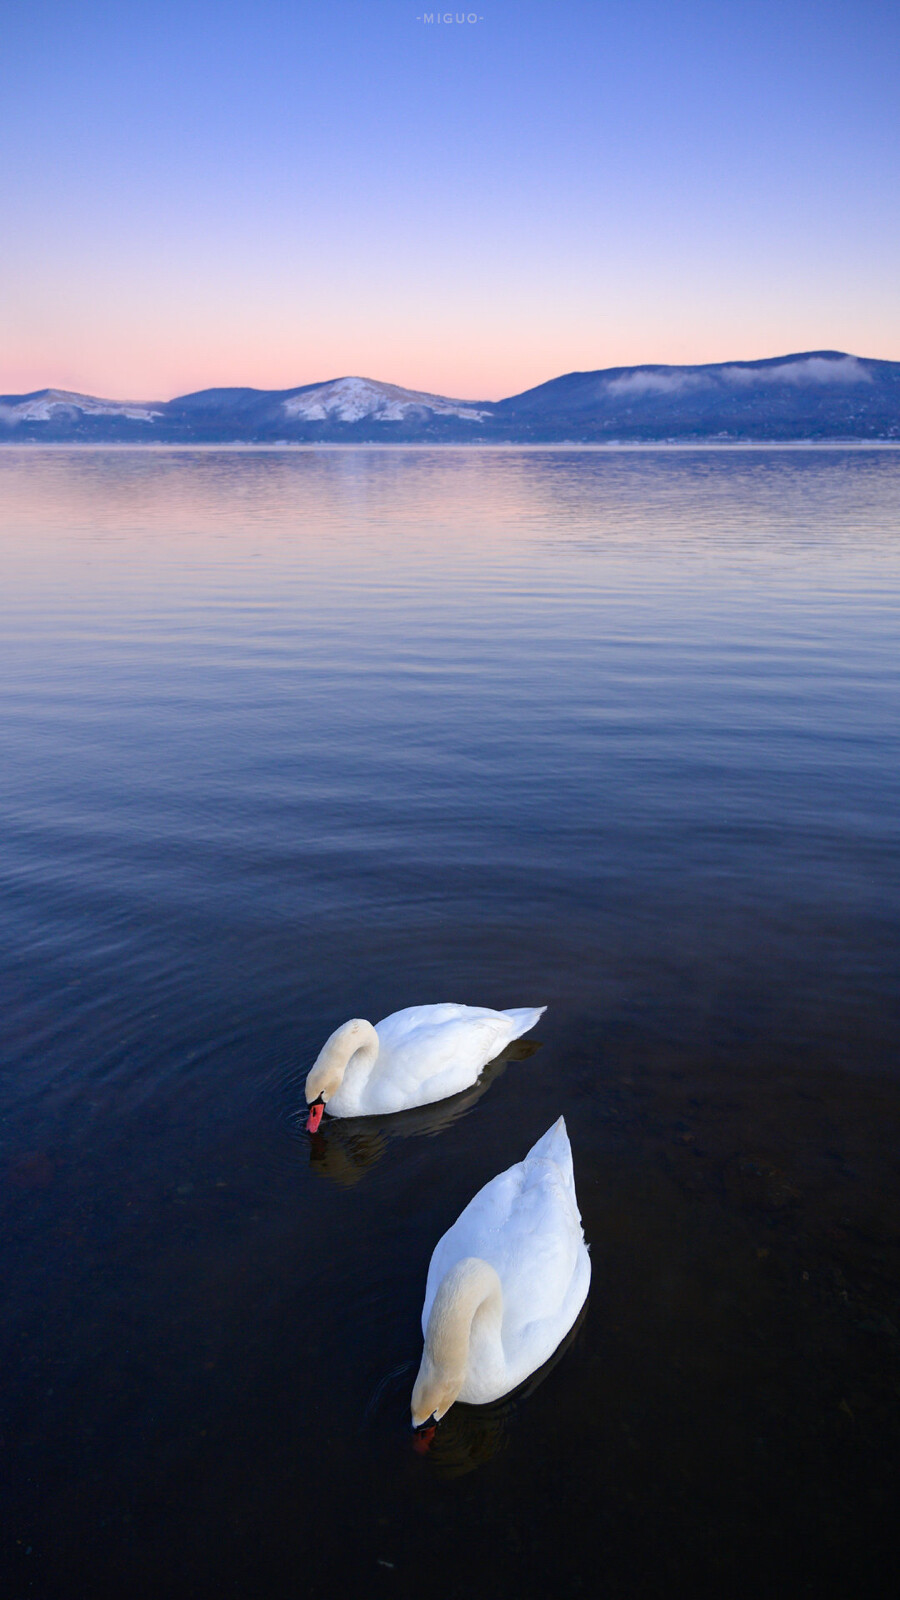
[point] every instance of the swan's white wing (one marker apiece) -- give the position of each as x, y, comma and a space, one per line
428, 1053
540, 1247
554, 1145
525, 1222
393, 1030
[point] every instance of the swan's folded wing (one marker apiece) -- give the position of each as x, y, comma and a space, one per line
475, 1231
540, 1246
400, 1025
442, 1057
526, 1224
554, 1146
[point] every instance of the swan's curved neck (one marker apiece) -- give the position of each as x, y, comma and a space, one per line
354, 1039
469, 1287
469, 1300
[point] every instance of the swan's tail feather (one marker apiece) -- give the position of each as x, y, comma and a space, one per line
524, 1019
555, 1146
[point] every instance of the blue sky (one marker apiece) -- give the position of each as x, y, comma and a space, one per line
199, 194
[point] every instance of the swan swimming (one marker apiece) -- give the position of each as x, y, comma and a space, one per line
505, 1284
410, 1058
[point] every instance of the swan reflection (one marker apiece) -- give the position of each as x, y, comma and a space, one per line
468, 1436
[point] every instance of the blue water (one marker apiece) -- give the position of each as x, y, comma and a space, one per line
293, 736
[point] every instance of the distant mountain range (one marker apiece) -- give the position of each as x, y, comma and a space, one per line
817, 394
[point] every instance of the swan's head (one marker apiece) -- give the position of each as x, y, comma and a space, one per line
434, 1392
327, 1072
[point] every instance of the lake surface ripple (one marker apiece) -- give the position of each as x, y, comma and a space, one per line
292, 737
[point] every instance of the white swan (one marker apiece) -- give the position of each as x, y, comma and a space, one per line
411, 1058
505, 1284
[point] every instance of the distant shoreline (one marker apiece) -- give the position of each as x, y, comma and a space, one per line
808, 398
610, 447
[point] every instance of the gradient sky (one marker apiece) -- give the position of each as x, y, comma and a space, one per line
203, 193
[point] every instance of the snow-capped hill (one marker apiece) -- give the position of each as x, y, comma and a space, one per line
363, 400
809, 394
58, 405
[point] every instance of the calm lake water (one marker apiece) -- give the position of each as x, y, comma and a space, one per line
291, 737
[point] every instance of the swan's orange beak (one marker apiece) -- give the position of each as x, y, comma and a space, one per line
423, 1438
316, 1113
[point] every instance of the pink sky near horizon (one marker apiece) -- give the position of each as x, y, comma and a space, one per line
455, 359
212, 199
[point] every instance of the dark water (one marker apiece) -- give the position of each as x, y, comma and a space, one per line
292, 737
